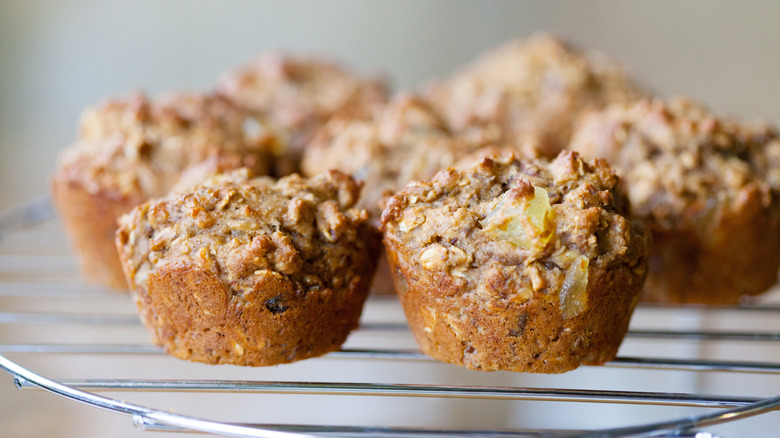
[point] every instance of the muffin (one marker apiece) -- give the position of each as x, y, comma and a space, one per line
516, 265
707, 188
297, 94
251, 271
132, 148
530, 91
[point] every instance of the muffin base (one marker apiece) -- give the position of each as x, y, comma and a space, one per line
717, 266
194, 315
500, 335
90, 221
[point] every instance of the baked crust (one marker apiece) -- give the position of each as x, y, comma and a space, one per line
296, 95
707, 188
131, 148
251, 271
516, 265
530, 91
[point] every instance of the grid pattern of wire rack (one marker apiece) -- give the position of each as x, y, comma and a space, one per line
681, 371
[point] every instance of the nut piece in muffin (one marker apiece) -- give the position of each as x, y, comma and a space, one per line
132, 148
530, 91
297, 94
707, 189
251, 271
516, 265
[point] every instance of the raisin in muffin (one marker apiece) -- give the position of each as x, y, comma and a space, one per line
529, 91
297, 94
518, 265
251, 271
132, 148
707, 188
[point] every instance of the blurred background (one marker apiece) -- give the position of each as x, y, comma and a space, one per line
56, 57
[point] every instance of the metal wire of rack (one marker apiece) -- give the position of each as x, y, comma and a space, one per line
34, 271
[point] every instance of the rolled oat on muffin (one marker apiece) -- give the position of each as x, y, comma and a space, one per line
251, 271
517, 265
530, 90
131, 148
296, 95
706, 186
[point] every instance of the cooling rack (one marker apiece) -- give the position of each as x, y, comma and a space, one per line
690, 371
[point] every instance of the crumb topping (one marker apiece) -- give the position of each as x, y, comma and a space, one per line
681, 162
298, 94
135, 145
510, 230
254, 231
407, 141
530, 90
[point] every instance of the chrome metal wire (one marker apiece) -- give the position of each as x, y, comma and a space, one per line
727, 408
413, 355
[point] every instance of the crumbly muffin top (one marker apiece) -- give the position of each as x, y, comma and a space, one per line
510, 229
296, 91
255, 231
530, 90
681, 162
407, 141
133, 144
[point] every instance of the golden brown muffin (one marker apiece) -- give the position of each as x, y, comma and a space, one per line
251, 271
707, 188
517, 265
131, 148
297, 94
530, 91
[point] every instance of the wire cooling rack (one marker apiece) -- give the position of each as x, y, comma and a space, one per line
685, 371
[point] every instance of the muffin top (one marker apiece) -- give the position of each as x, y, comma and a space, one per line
510, 229
680, 162
405, 142
255, 232
530, 90
132, 145
297, 93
